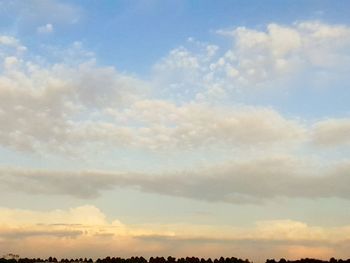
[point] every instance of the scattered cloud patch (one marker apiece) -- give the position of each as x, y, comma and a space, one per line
10, 45
276, 57
45, 29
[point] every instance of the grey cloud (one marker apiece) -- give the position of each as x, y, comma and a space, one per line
168, 126
63, 109
41, 110
104, 87
82, 185
331, 132
253, 181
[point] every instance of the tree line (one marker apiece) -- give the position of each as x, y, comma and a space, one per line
165, 260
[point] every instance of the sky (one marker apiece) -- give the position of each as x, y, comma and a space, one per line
182, 128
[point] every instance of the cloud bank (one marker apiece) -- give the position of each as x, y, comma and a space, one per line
253, 181
69, 106
79, 231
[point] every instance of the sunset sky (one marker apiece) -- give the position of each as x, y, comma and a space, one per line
175, 127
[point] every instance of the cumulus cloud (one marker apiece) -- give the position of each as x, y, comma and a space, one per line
282, 48
245, 181
166, 125
44, 108
10, 46
63, 108
9, 41
274, 57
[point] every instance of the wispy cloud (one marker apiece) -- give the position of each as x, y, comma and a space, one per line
45, 29
35, 13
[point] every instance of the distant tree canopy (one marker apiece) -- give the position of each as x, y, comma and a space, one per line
166, 260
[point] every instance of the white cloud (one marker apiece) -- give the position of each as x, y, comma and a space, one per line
307, 44
193, 125
275, 57
72, 108
46, 107
63, 108
9, 41
12, 43
45, 29
11, 62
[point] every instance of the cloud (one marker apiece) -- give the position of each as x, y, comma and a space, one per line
21, 234
42, 108
331, 132
251, 181
63, 108
275, 57
9, 41
93, 235
78, 232
35, 13
82, 185
195, 125
240, 182
74, 217
10, 45
76, 107
45, 29
282, 48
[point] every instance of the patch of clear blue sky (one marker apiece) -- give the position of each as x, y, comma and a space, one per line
133, 34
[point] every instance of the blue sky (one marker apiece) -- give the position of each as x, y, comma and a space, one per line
137, 38
129, 35
131, 127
